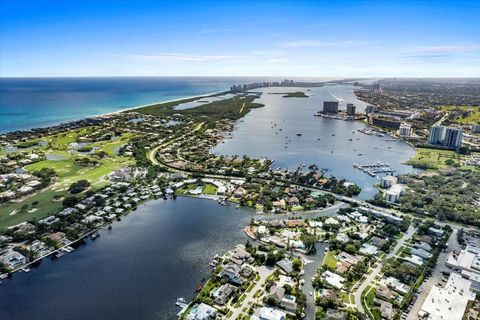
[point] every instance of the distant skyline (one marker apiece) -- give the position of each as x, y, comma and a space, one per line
240, 38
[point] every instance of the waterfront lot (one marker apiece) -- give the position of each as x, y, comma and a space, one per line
437, 159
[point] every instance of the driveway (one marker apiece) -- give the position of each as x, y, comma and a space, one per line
264, 272
378, 268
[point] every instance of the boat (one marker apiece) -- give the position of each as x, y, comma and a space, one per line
25, 269
94, 236
59, 255
181, 303
360, 154
299, 134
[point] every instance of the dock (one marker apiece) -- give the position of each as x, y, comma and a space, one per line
374, 168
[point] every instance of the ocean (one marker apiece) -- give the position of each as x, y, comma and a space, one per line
27, 103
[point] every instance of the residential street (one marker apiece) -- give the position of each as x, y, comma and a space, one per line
378, 268
264, 272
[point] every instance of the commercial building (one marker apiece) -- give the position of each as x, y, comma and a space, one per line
405, 130
453, 138
330, 106
351, 109
448, 302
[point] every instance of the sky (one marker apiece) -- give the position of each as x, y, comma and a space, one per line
240, 38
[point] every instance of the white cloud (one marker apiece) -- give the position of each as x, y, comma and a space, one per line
318, 43
183, 57
443, 49
277, 60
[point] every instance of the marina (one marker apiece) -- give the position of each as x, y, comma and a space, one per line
375, 168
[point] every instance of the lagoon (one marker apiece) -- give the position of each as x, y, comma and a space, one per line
272, 131
137, 270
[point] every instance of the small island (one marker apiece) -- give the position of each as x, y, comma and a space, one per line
298, 94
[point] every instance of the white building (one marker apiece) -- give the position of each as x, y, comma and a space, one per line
388, 181
270, 314
405, 130
448, 303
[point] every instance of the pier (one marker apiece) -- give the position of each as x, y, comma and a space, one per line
375, 168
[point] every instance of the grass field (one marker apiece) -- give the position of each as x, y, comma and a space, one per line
13, 214
330, 260
473, 118
434, 158
210, 189
67, 172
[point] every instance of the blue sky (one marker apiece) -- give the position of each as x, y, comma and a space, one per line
244, 38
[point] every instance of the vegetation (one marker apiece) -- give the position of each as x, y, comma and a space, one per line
79, 186
297, 94
463, 114
446, 195
426, 158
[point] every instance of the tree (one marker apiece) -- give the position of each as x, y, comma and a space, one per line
78, 186
297, 264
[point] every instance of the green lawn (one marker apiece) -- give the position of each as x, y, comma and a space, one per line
330, 260
68, 172
12, 214
473, 118
369, 296
434, 158
210, 189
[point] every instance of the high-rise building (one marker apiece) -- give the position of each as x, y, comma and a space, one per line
405, 130
370, 109
453, 138
351, 109
330, 106
437, 135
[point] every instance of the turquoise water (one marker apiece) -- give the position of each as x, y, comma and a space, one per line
27, 103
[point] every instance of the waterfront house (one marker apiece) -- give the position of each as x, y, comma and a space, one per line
13, 259
231, 272
223, 294
269, 314
202, 312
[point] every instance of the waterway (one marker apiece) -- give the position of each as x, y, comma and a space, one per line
137, 270
272, 131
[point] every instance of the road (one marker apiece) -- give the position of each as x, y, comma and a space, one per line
152, 157
264, 272
378, 268
436, 275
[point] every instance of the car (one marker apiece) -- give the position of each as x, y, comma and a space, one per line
310, 293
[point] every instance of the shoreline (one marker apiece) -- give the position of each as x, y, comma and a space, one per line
114, 112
